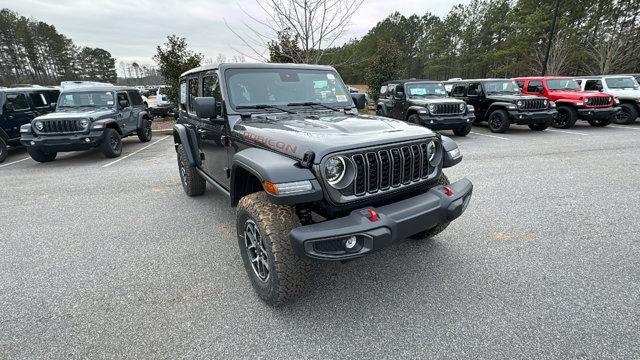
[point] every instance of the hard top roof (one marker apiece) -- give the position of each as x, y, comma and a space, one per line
603, 76
43, 88
475, 80
100, 88
543, 77
225, 66
404, 81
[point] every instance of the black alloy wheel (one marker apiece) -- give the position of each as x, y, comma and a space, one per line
254, 246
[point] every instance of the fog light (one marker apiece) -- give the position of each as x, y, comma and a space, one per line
32, 143
87, 140
350, 243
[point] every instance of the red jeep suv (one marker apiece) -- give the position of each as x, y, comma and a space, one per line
598, 108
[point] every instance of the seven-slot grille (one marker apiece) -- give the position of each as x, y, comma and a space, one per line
447, 109
533, 104
599, 101
384, 169
61, 126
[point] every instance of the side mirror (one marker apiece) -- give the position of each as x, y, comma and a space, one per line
359, 100
207, 108
452, 154
400, 94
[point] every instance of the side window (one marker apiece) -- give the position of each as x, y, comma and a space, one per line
53, 97
123, 100
39, 100
594, 85
383, 91
399, 89
535, 86
183, 95
458, 90
391, 89
474, 89
520, 84
211, 88
17, 102
193, 93
136, 99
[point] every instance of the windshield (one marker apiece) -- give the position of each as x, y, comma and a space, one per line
282, 87
501, 86
563, 84
425, 89
622, 83
86, 98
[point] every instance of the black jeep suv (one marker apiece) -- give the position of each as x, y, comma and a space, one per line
18, 106
500, 103
85, 118
426, 103
312, 179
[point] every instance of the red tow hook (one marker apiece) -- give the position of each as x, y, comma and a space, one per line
447, 190
373, 215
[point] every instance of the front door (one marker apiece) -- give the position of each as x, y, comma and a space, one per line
125, 113
398, 102
211, 133
17, 112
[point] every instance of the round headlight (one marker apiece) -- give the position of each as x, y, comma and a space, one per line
519, 103
546, 103
462, 107
431, 107
431, 150
334, 170
39, 125
586, 101
609, 99
84, 123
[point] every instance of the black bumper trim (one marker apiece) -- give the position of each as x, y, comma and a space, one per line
531, 117
396, 222
597, 113
446, 122
61, 143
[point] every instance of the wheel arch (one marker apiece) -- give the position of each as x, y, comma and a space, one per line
186, 137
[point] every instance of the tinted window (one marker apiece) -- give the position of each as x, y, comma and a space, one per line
183, 95
562, 84
18, 101
593, 85
136, 99
474, 89
193, 93
535, 86
520, 83
39, 100
211, 87
391, 88
458, 90
123, 100
501, 86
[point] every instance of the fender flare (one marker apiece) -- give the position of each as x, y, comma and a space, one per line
275, 168
412, 109
141, 117
187, 137
499, 105
566, 102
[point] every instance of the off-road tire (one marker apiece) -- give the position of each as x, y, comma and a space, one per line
192, 182
4, 150
566, 117
288, 273
539, 126
145, 134
379, 111
600, 122
428, 234
463, 131
41, 155
627, 115
498, 121
111, 146
414, 119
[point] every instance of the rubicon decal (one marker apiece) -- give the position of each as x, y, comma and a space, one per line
271, 143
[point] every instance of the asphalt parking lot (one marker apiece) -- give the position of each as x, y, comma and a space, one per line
105, 258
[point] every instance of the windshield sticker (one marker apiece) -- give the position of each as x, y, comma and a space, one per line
331, 77
418, 91
341, 98
109, 102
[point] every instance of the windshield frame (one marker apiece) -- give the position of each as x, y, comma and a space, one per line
578, 87
635, 86
232, 106
513, 82
59, 105
407, 85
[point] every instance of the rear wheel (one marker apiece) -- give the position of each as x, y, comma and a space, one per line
111, 146
145, 134
566, 118
462, 131
192, 183
276, 273
627, 115
379, 111
40, 155
427, 234
4, 150
538, 126
499, 121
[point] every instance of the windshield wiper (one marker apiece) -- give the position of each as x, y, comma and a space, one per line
311, 103
265, 106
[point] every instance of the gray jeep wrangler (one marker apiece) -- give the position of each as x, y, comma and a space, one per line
312, 179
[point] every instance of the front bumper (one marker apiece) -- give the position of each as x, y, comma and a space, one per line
597, 113
61, 143
446, 122
395, 222
531, 117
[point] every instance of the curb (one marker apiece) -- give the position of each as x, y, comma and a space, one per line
163, 131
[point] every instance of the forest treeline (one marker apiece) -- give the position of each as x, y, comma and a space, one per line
34, 52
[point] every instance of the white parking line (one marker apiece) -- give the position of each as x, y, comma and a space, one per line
491, 136
135, 152
15, 162
568, 132
624, 127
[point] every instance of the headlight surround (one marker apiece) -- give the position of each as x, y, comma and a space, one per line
519, 103
339, 171
431, 108
546, 102
38, 125
587, 100
432, 151
84, 123
462, 106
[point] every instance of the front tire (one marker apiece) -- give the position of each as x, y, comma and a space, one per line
463, 131
429, 233
539, 126
276, 273
192, 183
111, 145
566, 118
627, 115
414, 119
145, 134
4, 150
499, 121
40, 155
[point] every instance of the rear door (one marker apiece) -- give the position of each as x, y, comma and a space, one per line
18, 112
137, 106
125, 113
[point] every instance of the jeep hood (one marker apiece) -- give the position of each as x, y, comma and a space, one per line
577, 94
512, 98
76, 113
434, 100
625, 93
295, 134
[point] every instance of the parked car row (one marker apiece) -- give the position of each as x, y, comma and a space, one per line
538, 102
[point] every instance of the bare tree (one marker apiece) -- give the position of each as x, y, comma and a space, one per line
558, 56
609, 55
314, 25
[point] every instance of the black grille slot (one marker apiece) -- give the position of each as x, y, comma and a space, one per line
361, 173
385, 170
599, 101
406, 165
61, 126
447, 109
425, 160
533, 104
396, 173
372, 164
415, 153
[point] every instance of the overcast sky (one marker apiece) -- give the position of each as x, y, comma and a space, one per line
130, 30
